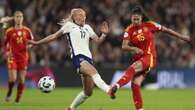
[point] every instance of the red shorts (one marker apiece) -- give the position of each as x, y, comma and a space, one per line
148, 62
16, 65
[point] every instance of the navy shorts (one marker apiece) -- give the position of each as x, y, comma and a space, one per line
78, 59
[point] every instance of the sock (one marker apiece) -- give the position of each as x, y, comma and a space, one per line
137, 96
10, 88
20, 90
128, 75
80, 98
100, 83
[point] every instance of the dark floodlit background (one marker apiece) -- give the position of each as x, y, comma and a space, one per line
176, 59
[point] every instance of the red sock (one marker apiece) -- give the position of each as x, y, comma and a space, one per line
20, 90
10, 88
137, 96
128, 75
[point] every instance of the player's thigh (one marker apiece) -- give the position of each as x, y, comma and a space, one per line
142, 64
88, 84
137, 65
12, 74
87, 68
138, 78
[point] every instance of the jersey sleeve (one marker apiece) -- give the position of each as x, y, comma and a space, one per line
127, 33
155, 26
65, 28
91, 32
30, 36
7, 38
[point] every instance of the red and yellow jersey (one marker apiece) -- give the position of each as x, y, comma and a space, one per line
16, 42
142, 36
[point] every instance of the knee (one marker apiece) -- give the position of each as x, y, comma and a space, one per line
21, 81
88, 69
137, 82
12, 79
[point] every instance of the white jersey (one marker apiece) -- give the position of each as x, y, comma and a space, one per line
79, 38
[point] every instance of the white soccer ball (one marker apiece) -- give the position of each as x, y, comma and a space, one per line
46, 84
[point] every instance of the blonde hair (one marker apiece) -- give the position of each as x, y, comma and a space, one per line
70, 17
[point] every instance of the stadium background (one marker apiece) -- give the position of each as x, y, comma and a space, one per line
176, 59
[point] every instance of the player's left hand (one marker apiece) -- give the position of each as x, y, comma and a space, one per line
104, 27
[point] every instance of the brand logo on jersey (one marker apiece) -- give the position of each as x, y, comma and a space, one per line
145, 29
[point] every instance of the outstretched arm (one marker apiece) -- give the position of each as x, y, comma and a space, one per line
104, 29
176, 34
47, 39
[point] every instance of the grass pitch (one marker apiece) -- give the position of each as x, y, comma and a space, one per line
169, 99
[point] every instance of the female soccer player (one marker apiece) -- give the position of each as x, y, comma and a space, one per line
16, 48
141, 36
79, 34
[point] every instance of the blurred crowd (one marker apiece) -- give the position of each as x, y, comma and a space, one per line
42, 17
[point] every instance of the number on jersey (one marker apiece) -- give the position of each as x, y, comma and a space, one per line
83, 33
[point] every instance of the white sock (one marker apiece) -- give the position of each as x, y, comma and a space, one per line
100, 83
79, 99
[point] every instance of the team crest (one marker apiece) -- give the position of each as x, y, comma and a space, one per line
145, 29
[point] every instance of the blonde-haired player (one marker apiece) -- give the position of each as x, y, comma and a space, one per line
79, 34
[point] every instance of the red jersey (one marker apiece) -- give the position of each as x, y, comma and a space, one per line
16, 42
142, 36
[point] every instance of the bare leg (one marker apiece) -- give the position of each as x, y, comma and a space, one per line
88, 69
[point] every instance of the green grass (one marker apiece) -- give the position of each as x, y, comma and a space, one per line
170, 99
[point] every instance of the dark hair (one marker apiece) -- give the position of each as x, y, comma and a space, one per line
139, 10
16, 12
12, 22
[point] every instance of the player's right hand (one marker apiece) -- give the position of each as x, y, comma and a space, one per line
138, 51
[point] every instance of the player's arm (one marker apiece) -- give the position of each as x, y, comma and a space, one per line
6, 40
6, 19
104, 30
132, 49
176, 34
48, 38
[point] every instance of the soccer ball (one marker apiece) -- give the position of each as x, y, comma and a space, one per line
46, 84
